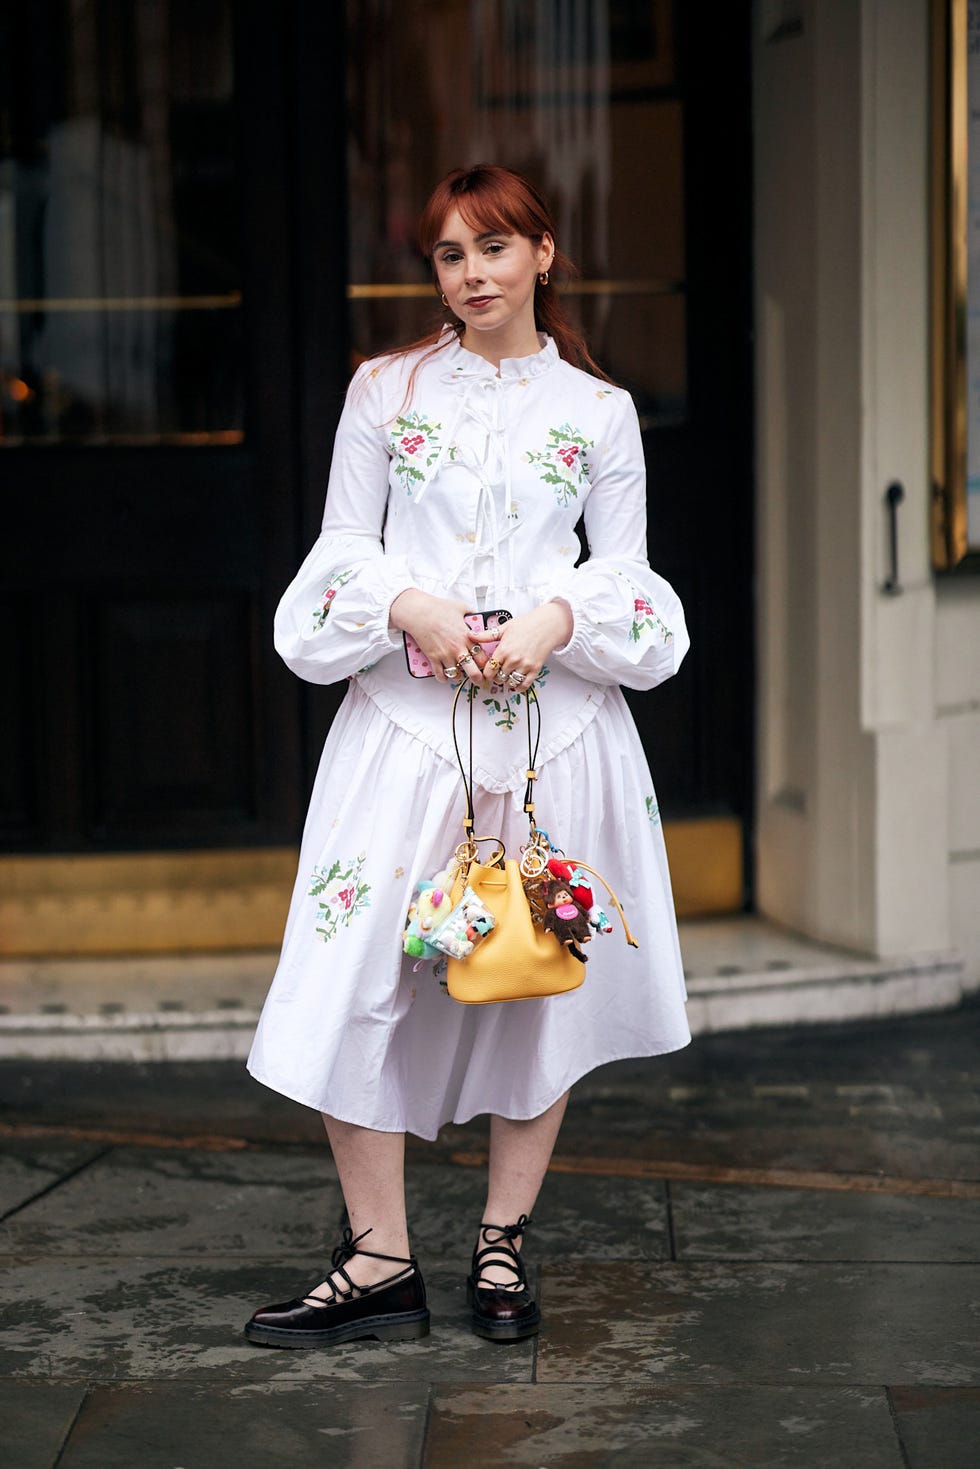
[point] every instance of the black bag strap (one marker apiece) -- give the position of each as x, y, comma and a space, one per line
531, 702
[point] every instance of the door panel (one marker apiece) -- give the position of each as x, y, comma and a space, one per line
148, 427
637, 130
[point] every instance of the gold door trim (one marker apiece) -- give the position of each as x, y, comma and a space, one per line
145, 903
167, 902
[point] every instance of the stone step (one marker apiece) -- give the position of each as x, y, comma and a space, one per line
741, 972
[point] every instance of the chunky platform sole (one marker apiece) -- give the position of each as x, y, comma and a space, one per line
505, 1330
492, 1330
401, 1326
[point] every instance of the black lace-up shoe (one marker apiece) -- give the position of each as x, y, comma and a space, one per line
392, 1310
501, 1312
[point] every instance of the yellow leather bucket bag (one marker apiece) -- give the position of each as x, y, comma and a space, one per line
522, 957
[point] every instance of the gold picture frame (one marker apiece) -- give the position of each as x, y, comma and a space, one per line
954, 289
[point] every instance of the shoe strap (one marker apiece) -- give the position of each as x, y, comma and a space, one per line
499, 1250
345, 1252
348, 1248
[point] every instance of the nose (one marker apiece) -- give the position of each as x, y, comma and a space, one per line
474, 269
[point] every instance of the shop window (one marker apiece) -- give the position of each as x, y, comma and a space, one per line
120, 276
583, 96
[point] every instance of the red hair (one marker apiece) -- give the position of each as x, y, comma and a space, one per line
489, 197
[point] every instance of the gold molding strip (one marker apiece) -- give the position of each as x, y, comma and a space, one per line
398, 291
162, 902
145, 902
706, 865
196, 439
23, 304
948, 197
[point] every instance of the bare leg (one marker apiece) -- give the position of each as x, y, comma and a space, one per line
519, 1156
371, 1166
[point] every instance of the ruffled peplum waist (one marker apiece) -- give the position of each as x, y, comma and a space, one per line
423, 708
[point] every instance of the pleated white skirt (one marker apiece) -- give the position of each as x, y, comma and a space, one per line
353, 1028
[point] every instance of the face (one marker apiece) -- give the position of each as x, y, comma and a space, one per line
488, 277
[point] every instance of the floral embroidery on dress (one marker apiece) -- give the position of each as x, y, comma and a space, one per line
342, 894
653, 810
339, 579
646, 620
416, 445
504, 708
565, 461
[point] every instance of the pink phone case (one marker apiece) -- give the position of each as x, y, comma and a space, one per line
419, 665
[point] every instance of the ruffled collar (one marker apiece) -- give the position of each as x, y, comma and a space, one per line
460, 363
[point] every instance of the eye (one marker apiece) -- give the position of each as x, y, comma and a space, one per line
495, 247
449, 257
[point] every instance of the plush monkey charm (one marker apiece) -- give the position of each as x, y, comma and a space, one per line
566, 919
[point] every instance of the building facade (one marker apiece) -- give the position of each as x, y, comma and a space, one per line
206, 220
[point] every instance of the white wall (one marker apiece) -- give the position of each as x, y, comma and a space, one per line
865, 716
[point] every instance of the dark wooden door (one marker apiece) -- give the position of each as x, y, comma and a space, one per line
635, 121
152, 450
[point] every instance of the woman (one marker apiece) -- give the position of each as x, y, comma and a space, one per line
460, 469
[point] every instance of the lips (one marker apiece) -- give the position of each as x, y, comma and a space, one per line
479, 300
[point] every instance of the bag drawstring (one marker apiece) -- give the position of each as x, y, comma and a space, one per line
619, 908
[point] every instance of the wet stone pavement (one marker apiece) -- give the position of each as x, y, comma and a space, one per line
763, 1251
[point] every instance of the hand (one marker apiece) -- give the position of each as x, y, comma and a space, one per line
437, 625
526, 642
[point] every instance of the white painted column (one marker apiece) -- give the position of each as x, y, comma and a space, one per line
852, 813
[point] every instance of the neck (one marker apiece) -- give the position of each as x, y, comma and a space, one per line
494, 347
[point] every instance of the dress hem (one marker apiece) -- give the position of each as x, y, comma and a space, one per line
486, 1111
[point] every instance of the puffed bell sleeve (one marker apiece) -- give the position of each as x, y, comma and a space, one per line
629, 625
333, 620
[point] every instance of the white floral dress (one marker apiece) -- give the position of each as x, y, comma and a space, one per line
472, 489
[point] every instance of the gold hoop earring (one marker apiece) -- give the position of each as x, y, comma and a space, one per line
543, 278
444, 300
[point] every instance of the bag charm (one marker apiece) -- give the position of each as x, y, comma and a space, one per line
566, 918
437, 925
509, 930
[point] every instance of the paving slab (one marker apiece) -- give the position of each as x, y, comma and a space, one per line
939, 1427
110, 1320
37, 1418
589, 1219
762, 1324
146, 1201
150, 1201
735, 1222
29, 1166
590, 1427
168, 1425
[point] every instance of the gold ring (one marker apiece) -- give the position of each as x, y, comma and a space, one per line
476, 648
465, 658
493, 662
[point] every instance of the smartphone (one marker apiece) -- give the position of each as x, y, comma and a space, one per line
419, 665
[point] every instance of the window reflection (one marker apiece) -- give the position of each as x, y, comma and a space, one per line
120, 280
583, 96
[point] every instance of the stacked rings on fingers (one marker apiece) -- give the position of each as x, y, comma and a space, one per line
465, 658
515, 679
